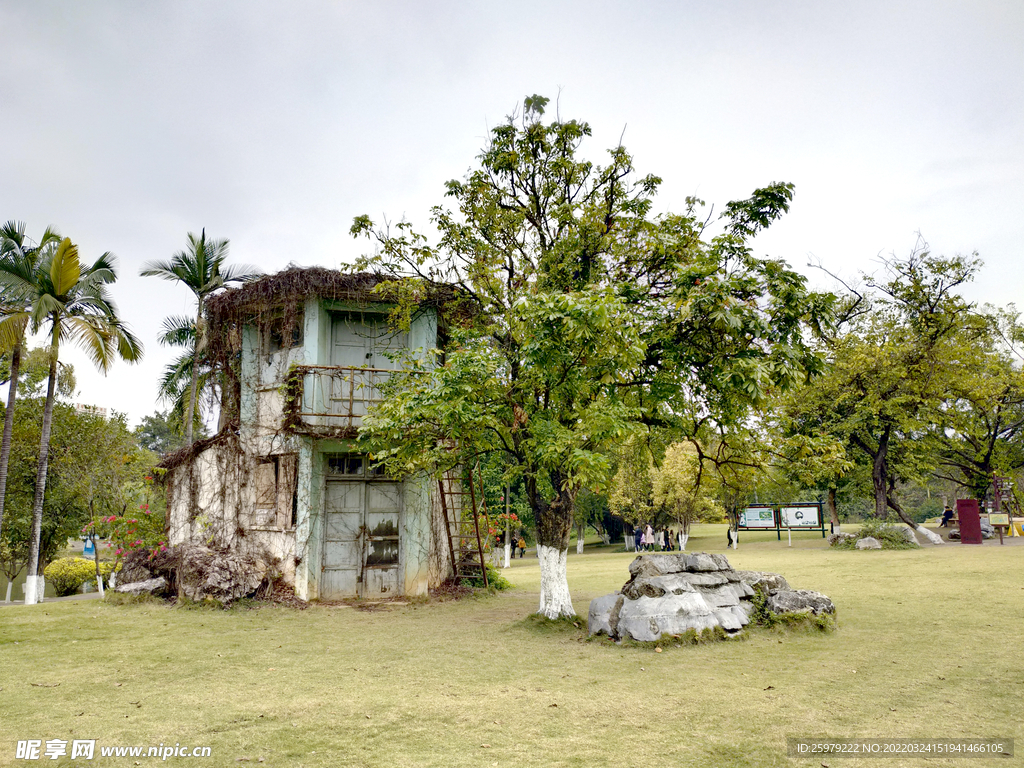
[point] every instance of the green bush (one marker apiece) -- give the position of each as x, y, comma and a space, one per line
889, 536
68, 574
494, 580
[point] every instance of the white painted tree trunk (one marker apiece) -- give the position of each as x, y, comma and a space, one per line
35, 587
579, 546
733, 539
99, 584
630, 543
10, 586
555, 600
508, 554
605, 538
683, 538
112, 579
933, 537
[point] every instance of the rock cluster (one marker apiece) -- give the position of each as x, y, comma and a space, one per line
668, 594
197, 573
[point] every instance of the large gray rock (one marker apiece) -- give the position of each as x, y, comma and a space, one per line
763, 579
800, 601
648, 618
868, 542
148, 586
668, 594
599, 618
838, 537
221, 575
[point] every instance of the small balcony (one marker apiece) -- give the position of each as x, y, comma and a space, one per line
330, 400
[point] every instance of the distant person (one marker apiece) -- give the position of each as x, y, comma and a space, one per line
522, 547
947, 516
638, 539
668, 538
648, 538
661, 539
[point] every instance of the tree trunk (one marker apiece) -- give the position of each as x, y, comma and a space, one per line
554, 524
880, 476
193, 385
10, 586
833, 510
5, 446
33, 587
555, 600
99, 576
630, 537
934, 538
580, 529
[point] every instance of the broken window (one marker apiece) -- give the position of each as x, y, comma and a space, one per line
276, 494
283, 333
345, 465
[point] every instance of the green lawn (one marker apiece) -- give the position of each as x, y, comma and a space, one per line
929, 646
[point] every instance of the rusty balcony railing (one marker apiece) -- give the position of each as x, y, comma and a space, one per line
327, 398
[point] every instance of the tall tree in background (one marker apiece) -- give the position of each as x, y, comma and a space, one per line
679, 490
979, 427
70, 301
18, 251
891, 370
201, 269
589, 320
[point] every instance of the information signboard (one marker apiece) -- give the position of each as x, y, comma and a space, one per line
801, 516
758, 517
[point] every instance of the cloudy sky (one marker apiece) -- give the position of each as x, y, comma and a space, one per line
128, 125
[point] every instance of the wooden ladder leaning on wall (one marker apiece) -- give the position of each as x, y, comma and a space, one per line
465, 544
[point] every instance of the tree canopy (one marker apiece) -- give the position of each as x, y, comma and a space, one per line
584, 318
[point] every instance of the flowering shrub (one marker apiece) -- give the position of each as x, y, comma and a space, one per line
500, 525
125, 533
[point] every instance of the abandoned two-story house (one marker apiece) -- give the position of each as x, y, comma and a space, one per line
303, 353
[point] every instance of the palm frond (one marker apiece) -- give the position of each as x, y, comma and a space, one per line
178, 331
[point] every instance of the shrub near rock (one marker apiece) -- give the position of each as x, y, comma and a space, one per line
68, 574
875, 535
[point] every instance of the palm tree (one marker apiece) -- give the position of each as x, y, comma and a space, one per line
175, 384
201, 269
18, 251
71, 302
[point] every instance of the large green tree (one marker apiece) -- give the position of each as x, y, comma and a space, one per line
979, 427
202, 270
70, 302
890, 371
581, 318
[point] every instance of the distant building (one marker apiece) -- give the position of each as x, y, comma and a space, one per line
91, 410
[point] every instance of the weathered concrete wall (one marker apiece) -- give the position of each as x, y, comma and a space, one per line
212, 502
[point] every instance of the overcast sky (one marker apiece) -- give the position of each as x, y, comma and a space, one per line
128, 125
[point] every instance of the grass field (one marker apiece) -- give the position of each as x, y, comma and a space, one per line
929, 645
